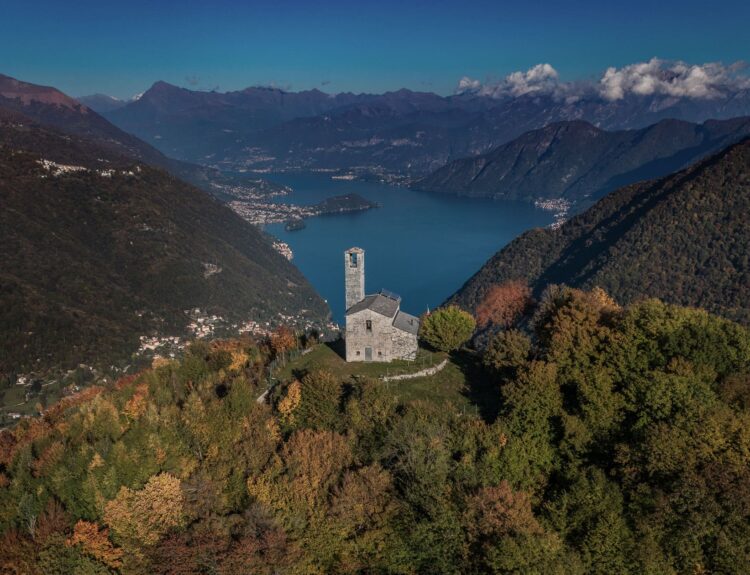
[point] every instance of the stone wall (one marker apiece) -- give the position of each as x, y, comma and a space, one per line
387, 342
423, 373
358, 337
403, 344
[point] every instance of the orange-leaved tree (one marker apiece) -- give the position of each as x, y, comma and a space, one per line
503, 304
95, 542
283, 340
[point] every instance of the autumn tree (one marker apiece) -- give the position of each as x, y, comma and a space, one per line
17, 554
620, 444
283, 340
266, 553
58, 558
312, 402
48, 458
136, 405
369, 412
447, 328
361, 514
507, 352
54, 520
290, 402
8, 443
95, 542
298, 486
321, 398
504, 534
144, 517
189, 553
503, 304
311, 462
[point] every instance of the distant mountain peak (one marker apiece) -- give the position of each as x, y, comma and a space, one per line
163, 93
161, 88
101, 103
405, 133
27, 94
162, 85
578, 161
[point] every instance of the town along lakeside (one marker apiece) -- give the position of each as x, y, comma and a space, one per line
257, 202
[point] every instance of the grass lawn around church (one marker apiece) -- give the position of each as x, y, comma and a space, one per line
460, 382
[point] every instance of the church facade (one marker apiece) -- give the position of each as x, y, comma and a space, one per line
376, 328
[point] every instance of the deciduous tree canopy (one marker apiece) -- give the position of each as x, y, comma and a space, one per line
622, 446
447, 329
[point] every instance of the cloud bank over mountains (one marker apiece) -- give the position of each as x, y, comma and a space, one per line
653, 78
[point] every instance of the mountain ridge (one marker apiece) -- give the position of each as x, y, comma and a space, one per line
401, 133
576, 160
100, 249
682, 238
49, 106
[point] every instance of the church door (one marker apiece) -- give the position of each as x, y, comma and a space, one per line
368, 354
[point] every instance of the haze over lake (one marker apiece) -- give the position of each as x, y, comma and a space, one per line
421, 245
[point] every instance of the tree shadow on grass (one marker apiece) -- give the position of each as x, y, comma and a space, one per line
338, 347
481, 389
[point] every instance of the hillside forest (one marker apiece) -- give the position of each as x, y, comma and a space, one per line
621, 445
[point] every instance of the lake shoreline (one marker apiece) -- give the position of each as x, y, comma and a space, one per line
419, 244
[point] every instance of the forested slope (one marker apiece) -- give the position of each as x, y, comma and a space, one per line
97, 249
683, 238
577, 161
622, 446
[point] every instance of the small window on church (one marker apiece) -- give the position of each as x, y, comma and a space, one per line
353, 259
380, 354
357, 353
368, 325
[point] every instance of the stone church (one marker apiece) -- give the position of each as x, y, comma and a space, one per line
376, 328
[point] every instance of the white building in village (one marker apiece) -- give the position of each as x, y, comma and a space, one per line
376, 328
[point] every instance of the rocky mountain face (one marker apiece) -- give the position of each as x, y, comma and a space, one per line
99, 248
50, 107
402, 133
577, 161
683, 238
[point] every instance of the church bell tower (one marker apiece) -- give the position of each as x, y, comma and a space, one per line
354, 275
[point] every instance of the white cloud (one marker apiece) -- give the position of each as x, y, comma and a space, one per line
655, 77
677, 79
466, 84
542, 78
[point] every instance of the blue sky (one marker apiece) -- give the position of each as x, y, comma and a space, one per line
122, 47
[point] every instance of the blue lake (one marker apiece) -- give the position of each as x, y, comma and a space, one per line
423, 246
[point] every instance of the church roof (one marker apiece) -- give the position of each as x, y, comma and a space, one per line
379, 303
387, 304
406, 322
